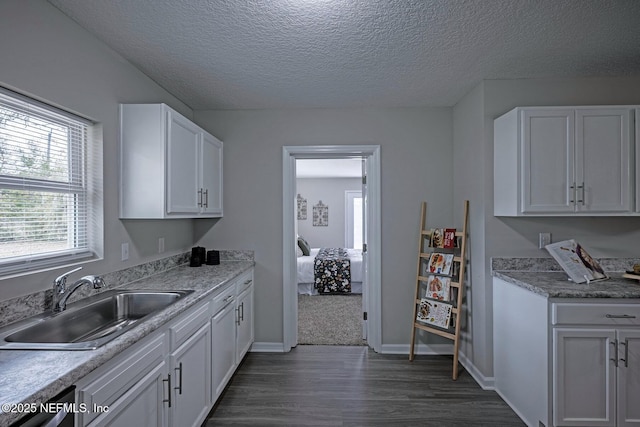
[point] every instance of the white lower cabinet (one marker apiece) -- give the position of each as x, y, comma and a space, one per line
132, 389
597, 377
567, 362
191, 373
172, 377
223, 348
244, 316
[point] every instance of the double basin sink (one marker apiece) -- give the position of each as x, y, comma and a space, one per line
89, 323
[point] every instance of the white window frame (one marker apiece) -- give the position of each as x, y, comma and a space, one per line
349, 196
85, 244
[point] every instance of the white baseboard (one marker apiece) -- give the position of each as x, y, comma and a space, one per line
487, 383
267, 347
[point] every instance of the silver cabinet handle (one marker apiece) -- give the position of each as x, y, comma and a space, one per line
581, 187
168, 381
179, 387
626, 353
229, 298
573, 188
242, 311
200, 197
238, 315
615, 352
619, 316
206, 198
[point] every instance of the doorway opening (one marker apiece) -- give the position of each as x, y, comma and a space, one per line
330, 218
369, 157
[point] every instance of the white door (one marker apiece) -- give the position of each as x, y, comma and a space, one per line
548, 160
365, 275
191, 374
628, 378
584, 371
211, 166
182, 165
603, 160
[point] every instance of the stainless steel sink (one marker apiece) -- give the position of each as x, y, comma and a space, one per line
89, 323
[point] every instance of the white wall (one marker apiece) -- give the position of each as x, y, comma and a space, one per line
47, 55
331, 191
416, 160
518, 237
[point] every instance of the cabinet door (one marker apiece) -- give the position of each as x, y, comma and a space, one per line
183, 142
244, 320
211, 167
584, 377
143, 405
547, 160
603, 160
191, 368
223, 339
628, 378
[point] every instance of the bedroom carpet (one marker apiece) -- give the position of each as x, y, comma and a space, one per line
330, 319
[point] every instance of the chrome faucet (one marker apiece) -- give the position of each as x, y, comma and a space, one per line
60, 294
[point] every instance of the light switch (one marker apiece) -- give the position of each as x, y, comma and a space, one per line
125, 251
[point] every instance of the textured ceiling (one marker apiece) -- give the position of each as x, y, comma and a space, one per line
245, 54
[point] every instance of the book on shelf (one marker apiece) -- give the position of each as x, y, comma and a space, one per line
576, 261
443, 238
438, 288
436, 313
440, 263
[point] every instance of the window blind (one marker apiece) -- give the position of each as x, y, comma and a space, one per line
43, 184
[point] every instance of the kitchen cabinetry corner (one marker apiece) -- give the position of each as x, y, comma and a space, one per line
169, 166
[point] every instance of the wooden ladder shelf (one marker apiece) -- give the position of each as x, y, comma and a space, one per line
456, 285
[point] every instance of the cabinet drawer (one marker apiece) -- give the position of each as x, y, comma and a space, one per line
190, 322
596, 314
244, 282
225, 296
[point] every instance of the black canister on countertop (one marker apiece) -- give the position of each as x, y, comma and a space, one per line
213, 257
198, 255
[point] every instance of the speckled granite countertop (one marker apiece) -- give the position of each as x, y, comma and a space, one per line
554, 284
544, 277
35, 376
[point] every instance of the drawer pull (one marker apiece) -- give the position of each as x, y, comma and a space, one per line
619, 316
626, 353
168, 381
179, 387
229, 298
615, 353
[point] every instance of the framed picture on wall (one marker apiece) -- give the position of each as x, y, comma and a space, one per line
302, 207
320, 215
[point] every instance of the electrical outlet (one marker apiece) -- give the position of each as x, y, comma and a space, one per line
544, 239
125, 251
160, 245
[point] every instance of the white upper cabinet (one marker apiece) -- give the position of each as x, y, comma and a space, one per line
555, 161
169, 166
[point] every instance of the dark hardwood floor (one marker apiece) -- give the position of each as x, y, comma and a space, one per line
354, 386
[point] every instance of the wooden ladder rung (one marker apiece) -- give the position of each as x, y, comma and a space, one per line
436, 331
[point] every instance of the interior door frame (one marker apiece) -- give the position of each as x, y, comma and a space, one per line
289, 271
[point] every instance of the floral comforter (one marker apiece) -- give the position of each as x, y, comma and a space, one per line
332, 271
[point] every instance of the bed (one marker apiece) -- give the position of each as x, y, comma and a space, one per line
306, 271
